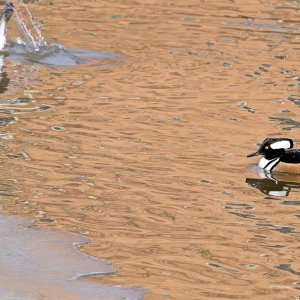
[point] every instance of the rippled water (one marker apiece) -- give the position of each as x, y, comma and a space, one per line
145, 154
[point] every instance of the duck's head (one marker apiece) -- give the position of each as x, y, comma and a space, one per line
273, 147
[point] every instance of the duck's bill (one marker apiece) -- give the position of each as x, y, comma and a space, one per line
253, 154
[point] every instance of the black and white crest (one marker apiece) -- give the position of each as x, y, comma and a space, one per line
273, 147
281, 143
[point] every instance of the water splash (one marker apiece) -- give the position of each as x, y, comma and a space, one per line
30, 29
32, 47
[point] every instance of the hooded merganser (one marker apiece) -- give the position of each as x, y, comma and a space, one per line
4, 18
278, 155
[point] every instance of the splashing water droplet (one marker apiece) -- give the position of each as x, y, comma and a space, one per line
30, 29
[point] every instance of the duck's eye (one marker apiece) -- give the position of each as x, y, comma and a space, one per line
266, 147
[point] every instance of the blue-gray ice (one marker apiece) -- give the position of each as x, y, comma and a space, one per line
41, 264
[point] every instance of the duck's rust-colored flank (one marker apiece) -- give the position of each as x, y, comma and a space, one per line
287, 168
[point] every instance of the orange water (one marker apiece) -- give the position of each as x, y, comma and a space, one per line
146, 156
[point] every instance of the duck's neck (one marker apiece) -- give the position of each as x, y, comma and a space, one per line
268, 164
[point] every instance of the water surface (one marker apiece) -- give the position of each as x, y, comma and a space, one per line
147, 157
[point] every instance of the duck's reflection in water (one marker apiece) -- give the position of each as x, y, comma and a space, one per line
4, 79
276, 184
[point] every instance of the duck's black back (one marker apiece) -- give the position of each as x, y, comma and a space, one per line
291, 157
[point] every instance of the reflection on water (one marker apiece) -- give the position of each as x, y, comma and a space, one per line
273, 187
275, 184
4, 81
263, 26
288, 123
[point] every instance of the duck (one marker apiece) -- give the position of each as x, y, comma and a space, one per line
4, 18
278, 155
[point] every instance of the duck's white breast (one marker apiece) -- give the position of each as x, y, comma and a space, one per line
268, 164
